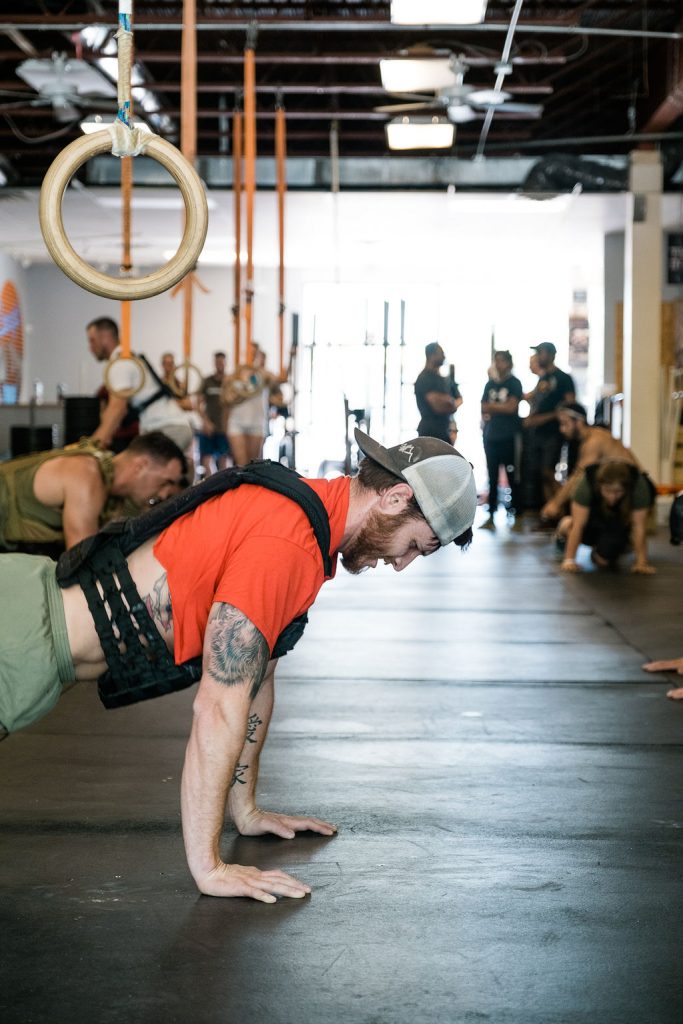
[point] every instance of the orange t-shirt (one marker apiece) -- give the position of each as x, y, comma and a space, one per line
250, 548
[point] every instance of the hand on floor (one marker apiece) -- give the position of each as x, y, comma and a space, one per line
671, 665
569, 565
236, 880
286, 826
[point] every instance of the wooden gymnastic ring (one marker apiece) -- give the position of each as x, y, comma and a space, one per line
196, 219
186, 365
125, 392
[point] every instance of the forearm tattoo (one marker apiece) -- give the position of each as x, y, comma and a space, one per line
235, 651
254, 722
240, 769
158, 604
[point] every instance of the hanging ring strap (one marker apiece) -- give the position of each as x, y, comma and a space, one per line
123, 139
65, 256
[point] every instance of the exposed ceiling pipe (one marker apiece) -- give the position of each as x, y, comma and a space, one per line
45, 24
20, 40
500, 78
587, 140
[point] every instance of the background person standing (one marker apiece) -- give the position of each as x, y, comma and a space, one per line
437, 397
554, 388
213, 441
502, 426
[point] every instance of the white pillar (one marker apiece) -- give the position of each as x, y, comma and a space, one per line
642, 310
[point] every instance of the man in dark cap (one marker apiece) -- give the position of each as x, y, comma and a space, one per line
554, 388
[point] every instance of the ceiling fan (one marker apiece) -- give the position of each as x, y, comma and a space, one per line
69, 86
459, 102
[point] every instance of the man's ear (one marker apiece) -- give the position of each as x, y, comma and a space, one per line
395, 499
141, 463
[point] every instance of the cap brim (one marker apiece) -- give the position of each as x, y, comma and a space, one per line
377, 452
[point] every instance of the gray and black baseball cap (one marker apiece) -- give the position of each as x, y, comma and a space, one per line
545, 346
440, 477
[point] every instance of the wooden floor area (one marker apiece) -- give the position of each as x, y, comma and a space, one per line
506, 780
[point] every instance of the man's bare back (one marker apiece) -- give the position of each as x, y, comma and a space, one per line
149, 577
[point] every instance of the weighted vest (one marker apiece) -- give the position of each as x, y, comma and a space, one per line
145, 668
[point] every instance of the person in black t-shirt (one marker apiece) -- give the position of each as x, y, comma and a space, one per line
437, 397
554, 388
502, 426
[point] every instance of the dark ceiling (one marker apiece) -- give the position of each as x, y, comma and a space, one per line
605, 72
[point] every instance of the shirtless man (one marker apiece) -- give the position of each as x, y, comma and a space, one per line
61, 495
595, 445
223, 582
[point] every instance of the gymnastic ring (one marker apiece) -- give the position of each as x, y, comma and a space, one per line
125, 392
186, 365
60, 172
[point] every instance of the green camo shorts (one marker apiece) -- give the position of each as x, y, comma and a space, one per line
35, 659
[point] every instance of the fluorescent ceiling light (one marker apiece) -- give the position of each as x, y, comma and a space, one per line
141, 201
420, 133
95, 123
217, 256
415, 75
94, 37
438, 12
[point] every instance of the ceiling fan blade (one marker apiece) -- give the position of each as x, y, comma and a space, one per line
405, 108
532, 109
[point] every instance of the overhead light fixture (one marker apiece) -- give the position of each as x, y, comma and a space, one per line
95, 123
491, 97
415, 75
420, 133
461, 114
438, 12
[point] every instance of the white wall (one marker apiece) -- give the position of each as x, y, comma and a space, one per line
493, 262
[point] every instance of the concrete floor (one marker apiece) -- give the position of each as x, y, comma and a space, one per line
507, 783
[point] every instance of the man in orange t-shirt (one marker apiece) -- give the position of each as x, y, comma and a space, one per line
222, 582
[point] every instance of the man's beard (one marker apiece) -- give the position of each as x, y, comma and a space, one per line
373, 539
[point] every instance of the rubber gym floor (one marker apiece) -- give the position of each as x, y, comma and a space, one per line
507, 785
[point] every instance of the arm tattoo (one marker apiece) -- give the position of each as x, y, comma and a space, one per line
254, 722
158, 604
240, 769
235, 651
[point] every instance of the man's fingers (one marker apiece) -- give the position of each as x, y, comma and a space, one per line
661, 666
235, 880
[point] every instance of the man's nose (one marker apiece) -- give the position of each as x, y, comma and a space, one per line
402, 561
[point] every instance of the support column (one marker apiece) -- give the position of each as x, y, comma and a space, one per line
642, 310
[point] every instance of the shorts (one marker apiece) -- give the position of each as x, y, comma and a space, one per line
246, 430
215, 445
35, 658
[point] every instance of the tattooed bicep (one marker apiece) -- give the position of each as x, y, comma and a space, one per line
235, 651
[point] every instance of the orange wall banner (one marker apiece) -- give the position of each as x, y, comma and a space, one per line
11, 337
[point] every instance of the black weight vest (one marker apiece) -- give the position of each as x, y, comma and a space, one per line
98, 565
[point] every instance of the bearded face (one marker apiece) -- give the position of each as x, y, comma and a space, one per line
396, 539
